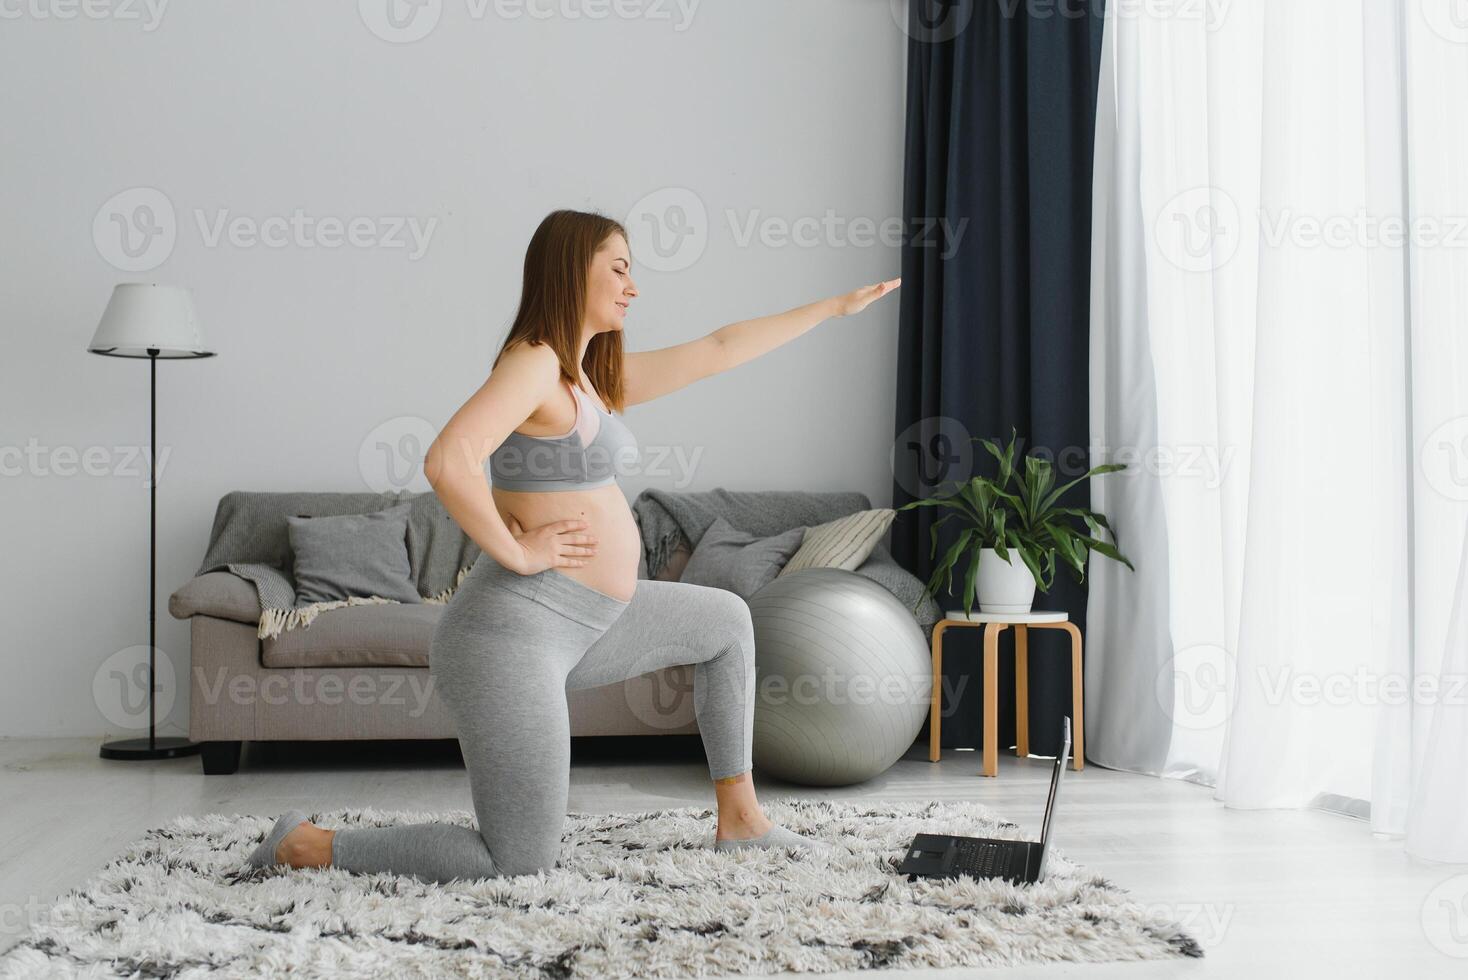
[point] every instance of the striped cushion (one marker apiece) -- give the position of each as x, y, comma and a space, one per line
843, 543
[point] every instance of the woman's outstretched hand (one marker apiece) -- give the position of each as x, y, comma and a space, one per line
859, 299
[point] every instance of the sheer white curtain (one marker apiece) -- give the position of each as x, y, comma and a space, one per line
1279, 347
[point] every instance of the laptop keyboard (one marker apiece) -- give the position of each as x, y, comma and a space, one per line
981, 859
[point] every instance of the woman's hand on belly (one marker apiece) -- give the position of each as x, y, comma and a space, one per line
613, 566
558, 544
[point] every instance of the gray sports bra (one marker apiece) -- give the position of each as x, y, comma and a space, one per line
589, 456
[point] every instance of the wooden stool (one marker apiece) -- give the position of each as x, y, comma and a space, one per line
994, 624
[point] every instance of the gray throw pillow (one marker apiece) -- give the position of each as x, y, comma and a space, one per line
727, 558
352, 555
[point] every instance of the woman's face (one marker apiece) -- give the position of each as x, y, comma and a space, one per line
609, 286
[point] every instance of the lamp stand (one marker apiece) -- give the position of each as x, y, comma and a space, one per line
151, 747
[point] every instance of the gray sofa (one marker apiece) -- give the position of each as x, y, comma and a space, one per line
361, 672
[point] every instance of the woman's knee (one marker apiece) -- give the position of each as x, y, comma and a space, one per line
725, 610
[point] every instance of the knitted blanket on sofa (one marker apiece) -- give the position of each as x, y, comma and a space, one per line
665, 515
250, 538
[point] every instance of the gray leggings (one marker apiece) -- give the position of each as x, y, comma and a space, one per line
504, 653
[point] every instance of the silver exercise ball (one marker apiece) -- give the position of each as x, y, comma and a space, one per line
842, 677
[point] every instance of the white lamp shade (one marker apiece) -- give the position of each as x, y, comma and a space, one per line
142, 316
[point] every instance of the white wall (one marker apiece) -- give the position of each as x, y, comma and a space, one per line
248, 110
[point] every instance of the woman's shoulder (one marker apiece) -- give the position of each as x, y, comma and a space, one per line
535, 355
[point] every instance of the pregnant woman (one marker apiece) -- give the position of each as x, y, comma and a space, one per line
553, 603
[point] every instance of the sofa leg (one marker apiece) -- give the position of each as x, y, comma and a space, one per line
220, 758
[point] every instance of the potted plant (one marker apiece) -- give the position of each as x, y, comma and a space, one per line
1016, 515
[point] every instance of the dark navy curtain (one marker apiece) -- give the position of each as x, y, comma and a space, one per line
1001, 98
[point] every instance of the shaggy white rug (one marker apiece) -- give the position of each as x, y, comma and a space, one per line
635, 895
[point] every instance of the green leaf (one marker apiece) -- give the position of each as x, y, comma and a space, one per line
1102, 548
952, 555
969, 580
1097, 471
933, 531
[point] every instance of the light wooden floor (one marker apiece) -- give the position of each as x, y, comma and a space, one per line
1278, 893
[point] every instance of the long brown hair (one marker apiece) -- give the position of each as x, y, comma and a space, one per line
553, 300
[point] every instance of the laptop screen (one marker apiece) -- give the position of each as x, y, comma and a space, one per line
1060, 761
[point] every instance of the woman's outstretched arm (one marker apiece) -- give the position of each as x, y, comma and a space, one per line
652, 374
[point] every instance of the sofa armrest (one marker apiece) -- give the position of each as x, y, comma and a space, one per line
223, 595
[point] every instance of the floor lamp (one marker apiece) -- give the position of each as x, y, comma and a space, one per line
143, 320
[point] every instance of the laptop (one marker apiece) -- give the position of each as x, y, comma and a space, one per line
1020, 861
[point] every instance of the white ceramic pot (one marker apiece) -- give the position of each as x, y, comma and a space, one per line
1004, 586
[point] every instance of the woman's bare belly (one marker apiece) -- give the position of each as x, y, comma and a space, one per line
613, 569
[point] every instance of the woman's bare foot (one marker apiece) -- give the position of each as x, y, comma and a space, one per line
742, 824
307, 846
740, 816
